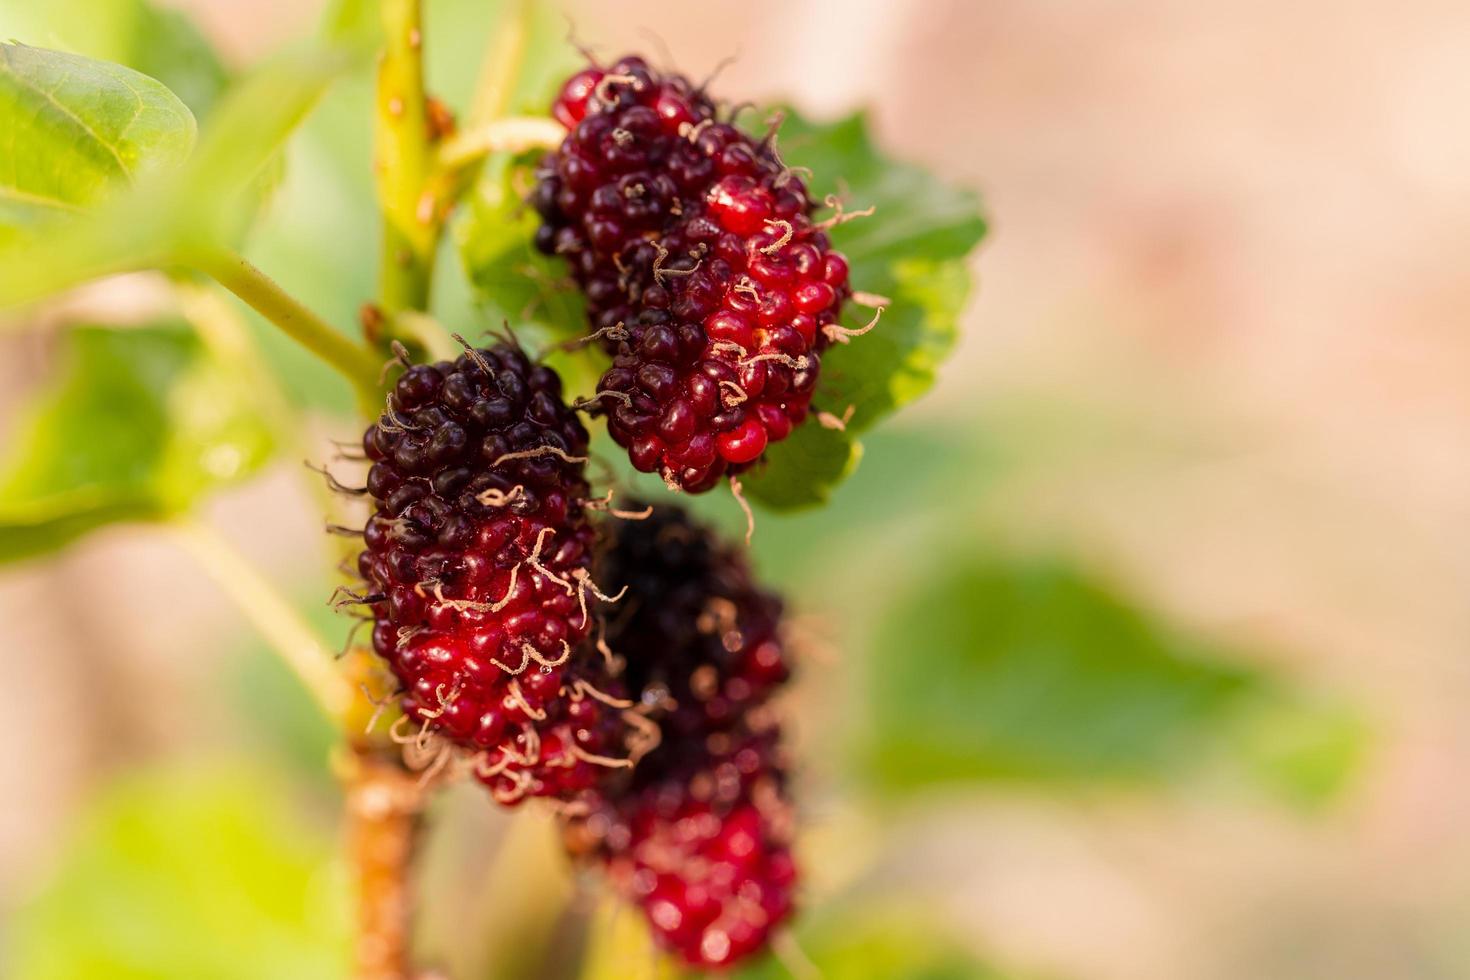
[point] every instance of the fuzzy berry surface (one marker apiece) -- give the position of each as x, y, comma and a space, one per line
705, 274
475, 562
698, 834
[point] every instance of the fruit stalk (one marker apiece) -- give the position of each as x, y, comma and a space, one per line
259, 291
510, 134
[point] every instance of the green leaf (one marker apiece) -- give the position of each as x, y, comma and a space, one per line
1038, 673
914, 251
141, 423
512, 279
77, 128
157, 41
188, 877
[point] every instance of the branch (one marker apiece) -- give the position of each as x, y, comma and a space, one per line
384, 804
401, 161
288, 634
355, 362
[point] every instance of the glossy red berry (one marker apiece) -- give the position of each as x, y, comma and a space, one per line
477, 562
705, 275
698, 834
571, 102
714, 882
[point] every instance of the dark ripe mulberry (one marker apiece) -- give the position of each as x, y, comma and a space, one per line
478, 553
694, 625
698, 834
705, 275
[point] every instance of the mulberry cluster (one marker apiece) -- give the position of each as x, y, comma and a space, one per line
705, 275
477, 564
698, 833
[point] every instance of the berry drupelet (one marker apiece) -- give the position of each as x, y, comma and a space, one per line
698, 834
572, 744
477, 559
705, 275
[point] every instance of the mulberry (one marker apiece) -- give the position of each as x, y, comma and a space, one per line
698, 834
705, 275
477, 562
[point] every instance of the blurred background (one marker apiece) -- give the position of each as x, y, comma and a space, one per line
1136, 649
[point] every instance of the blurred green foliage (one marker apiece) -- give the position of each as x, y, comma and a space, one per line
1304, 747
1032, 671
140, 423
189, 877
844, 943
278, 719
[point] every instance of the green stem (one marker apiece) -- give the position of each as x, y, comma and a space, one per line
277, 620
402, 159
418, 182
511, 134
356, 363
500, 68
